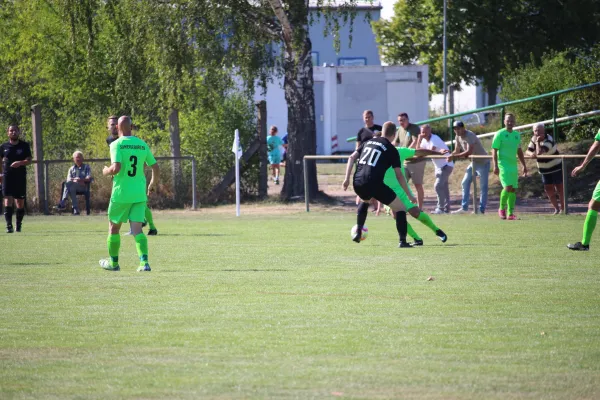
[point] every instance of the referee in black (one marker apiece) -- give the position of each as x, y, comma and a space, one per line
16, 154
375, 156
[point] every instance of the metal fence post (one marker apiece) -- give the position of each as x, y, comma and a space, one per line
502, 115
194, 200
46, 186
474, 175
554, 127
565, 189
306, 193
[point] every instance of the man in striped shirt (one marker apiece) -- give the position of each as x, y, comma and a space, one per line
550, 168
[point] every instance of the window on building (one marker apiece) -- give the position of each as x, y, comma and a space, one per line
315, 58
352, 61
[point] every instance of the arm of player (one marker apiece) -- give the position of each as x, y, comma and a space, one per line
495, 161
590, 156
522, 159
402, 182
112, 170
155, 179
349, 166
21, 163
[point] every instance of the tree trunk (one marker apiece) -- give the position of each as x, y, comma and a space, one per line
492, 91
302, 132
176, 152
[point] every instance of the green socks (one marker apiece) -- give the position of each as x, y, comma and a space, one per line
503, 199
426, 220
512, 200
141, 245
113, 243
411, 232
588, 226
149, 218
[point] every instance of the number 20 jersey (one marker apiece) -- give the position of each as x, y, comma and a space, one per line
129, 185
376, 156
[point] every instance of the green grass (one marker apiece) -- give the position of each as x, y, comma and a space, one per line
286, 306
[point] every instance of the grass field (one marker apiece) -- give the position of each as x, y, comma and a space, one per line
284, 305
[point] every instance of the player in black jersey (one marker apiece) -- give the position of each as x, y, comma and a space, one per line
16, 154
111, 124
375, 156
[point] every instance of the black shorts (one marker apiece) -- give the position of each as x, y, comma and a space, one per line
14, 187
378, 191
553, 178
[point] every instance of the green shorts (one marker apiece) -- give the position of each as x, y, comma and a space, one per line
404, 200
122, 212
509, 176
596, 194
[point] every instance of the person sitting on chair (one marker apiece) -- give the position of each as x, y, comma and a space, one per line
78, 177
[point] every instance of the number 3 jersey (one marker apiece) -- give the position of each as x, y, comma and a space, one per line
376, 156
129, 185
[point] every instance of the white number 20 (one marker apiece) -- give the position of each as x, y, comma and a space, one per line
373, 158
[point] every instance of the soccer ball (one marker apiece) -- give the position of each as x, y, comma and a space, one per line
363, 236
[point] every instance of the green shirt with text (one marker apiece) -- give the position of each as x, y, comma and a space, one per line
129, 185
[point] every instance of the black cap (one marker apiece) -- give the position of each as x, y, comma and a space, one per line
458, 124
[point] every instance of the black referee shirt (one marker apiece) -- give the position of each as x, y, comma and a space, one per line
11, 153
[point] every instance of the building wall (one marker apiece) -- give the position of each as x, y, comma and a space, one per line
362, 49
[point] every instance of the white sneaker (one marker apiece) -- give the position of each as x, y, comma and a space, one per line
438, 211
459, 211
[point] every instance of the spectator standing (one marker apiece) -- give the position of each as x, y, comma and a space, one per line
274, 153
443, 168
415, 168
78, 177
467, 144
542, 144
16, 155
366, 132
506, 148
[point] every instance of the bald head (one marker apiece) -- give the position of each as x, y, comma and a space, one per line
124, 126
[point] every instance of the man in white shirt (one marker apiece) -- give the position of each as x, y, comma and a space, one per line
443, 167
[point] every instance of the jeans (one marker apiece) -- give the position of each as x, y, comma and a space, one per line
71, 189
442, 188
483, 170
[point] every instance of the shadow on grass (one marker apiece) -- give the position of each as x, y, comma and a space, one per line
249, 270
20, 264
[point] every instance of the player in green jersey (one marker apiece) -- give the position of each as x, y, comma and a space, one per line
128, 154
413, 209
506, 147
594, 205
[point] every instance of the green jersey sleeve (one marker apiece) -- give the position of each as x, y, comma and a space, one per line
115, 154
497, 142
406, 152
597, 137
150, 160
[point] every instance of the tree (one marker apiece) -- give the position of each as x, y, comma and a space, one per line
484, 37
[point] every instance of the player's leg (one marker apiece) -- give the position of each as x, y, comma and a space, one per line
117, 214
426, 220
384, 194
561, 195
590, 222
410, 231
150, 219
8, 211
136, 217
511, 201
507, 179
362, 211
20, 212
276, 172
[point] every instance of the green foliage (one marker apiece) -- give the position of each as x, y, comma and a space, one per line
484, 37
556, 71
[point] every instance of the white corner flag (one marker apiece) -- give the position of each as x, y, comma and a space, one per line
237, 150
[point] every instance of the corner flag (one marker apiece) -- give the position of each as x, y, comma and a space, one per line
237, 146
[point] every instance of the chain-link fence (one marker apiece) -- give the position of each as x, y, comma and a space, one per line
170, 195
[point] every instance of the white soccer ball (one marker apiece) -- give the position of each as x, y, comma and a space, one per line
363, 236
